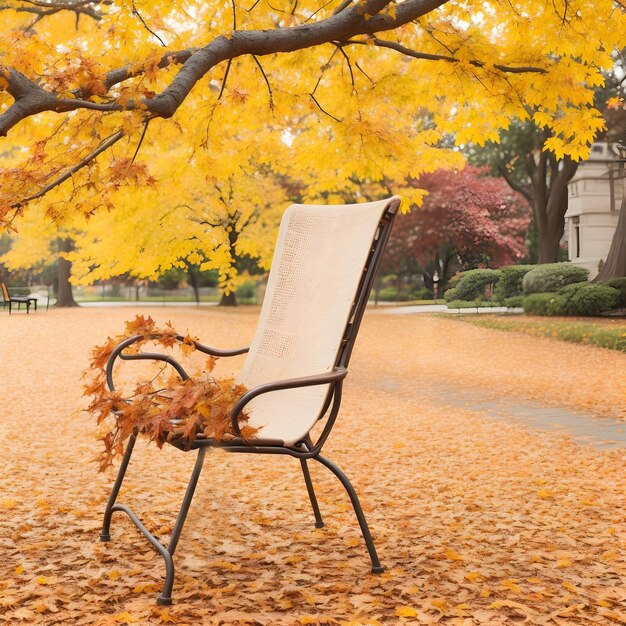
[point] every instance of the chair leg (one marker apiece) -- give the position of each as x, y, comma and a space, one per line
166, 595
165, 598
377, 568
106, 524
319, 522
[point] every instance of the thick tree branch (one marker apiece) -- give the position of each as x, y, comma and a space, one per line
515, 185
357, 19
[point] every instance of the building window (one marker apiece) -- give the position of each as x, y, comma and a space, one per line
576, 221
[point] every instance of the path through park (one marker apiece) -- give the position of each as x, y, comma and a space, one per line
477, 520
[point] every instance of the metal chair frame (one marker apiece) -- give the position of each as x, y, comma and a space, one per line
303, 450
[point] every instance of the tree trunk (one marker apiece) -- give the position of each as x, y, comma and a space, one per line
550, 201
615, 264
228, 299
193, 281
65, 298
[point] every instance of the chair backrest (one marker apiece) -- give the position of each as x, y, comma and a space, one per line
322, 272
5, 292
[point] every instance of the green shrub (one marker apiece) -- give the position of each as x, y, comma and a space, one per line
514, 302
586, 299
468, 304
537, 303
550, 277
510, 283
404, 294
620, 285
471, 285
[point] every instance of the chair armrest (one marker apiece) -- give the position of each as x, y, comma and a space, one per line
155, 356
336, 376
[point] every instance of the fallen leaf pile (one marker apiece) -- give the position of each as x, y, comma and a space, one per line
160, 408
477, 521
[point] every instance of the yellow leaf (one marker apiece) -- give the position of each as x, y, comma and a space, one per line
164, 616
124, 618
225, 565
562, 563
485, 592
293, 559
473, 576
19, 569
113, 574
8, 503
307, 619
511, 584
406, 611
453, 555
570, 587
42, 580
498, 604
439, 603
544, 494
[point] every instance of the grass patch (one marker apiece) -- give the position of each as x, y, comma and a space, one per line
604, 333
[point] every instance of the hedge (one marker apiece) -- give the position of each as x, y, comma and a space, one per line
585, 299
471, 285
550, 277
620, 285
581, 299
510, 283
537, 303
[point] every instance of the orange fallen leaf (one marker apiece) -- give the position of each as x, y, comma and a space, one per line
295, 558
570, 587
124, 618
544, 494
453, 555
406, 611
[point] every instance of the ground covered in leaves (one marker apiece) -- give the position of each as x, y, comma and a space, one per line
477, 521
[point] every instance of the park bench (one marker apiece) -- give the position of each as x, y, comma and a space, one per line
9, 300
322, 273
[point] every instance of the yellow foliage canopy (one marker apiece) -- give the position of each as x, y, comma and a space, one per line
179, 118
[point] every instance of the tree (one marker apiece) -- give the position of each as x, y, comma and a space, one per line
467, 220
95, 94
43, 245
615, 264
538, 175
213, 228
541, 176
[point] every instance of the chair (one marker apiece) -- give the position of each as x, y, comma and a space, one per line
322, 273
8, 299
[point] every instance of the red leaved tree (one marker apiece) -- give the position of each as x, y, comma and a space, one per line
468, 219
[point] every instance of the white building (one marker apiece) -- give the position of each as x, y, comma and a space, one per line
594, 201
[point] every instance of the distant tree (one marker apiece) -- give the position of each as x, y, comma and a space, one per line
542, 175
468, 219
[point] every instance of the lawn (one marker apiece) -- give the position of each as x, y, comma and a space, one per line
476, 521
607, 332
